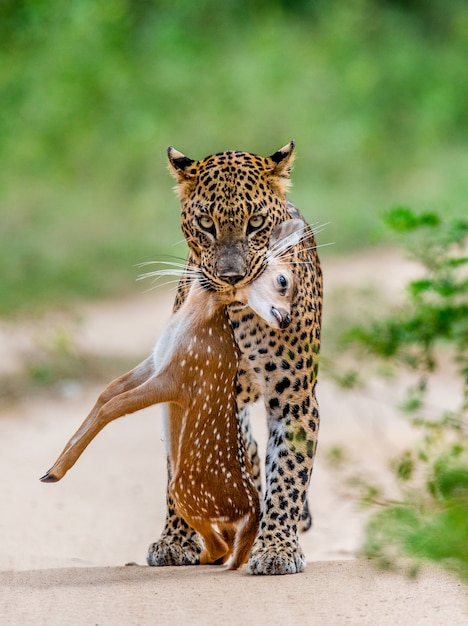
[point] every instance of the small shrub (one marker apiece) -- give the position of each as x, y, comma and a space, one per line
430, 518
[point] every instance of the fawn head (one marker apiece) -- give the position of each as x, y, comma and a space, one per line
271, 294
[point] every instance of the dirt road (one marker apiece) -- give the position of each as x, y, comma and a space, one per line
63, 546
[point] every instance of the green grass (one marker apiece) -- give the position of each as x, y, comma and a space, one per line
93, 92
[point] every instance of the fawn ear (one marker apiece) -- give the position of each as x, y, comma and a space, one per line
289, 233
282, 163
180, 166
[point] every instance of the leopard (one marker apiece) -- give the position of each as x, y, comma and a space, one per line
230, 203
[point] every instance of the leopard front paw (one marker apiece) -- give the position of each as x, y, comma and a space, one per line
170, 550
284, 557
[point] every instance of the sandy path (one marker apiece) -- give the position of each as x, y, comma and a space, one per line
328, 593
62, 545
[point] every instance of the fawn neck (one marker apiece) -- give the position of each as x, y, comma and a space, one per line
206, 358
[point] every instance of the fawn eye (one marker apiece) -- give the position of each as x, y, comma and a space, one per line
206, 222
282, 281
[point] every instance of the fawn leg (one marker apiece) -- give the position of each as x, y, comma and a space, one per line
215, 546
228, 532
130, 380
250, 445
150, 391
245, 537
305, 521
178, 544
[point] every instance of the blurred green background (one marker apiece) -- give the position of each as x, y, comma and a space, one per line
93, 91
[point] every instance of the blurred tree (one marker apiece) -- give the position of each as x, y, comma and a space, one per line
93, 91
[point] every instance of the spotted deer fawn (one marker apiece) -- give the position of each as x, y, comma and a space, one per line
193, 366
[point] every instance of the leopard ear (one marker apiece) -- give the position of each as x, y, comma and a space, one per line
180, 166
282, 161
284, 158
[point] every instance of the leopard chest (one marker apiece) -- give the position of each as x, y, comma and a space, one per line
279, 365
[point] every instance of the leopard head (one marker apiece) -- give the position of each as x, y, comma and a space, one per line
230, 203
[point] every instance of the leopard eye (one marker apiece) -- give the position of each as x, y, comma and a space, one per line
256, 222
206, 222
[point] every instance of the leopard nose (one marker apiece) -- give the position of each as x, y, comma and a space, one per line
231, 265
232, 279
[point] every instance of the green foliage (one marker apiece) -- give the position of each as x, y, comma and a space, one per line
430, 521
93, 91
437, 304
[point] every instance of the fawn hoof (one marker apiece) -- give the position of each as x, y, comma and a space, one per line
49, 478
276, 560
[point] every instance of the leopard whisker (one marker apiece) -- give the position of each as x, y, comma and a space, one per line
160, 273
160, 286
319, 245
171, 263
284, 246
173, 269
178, 243
279, 248
189, 240
179, 275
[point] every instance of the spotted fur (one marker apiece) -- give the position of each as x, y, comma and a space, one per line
211, 486
194, 368
230, 203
